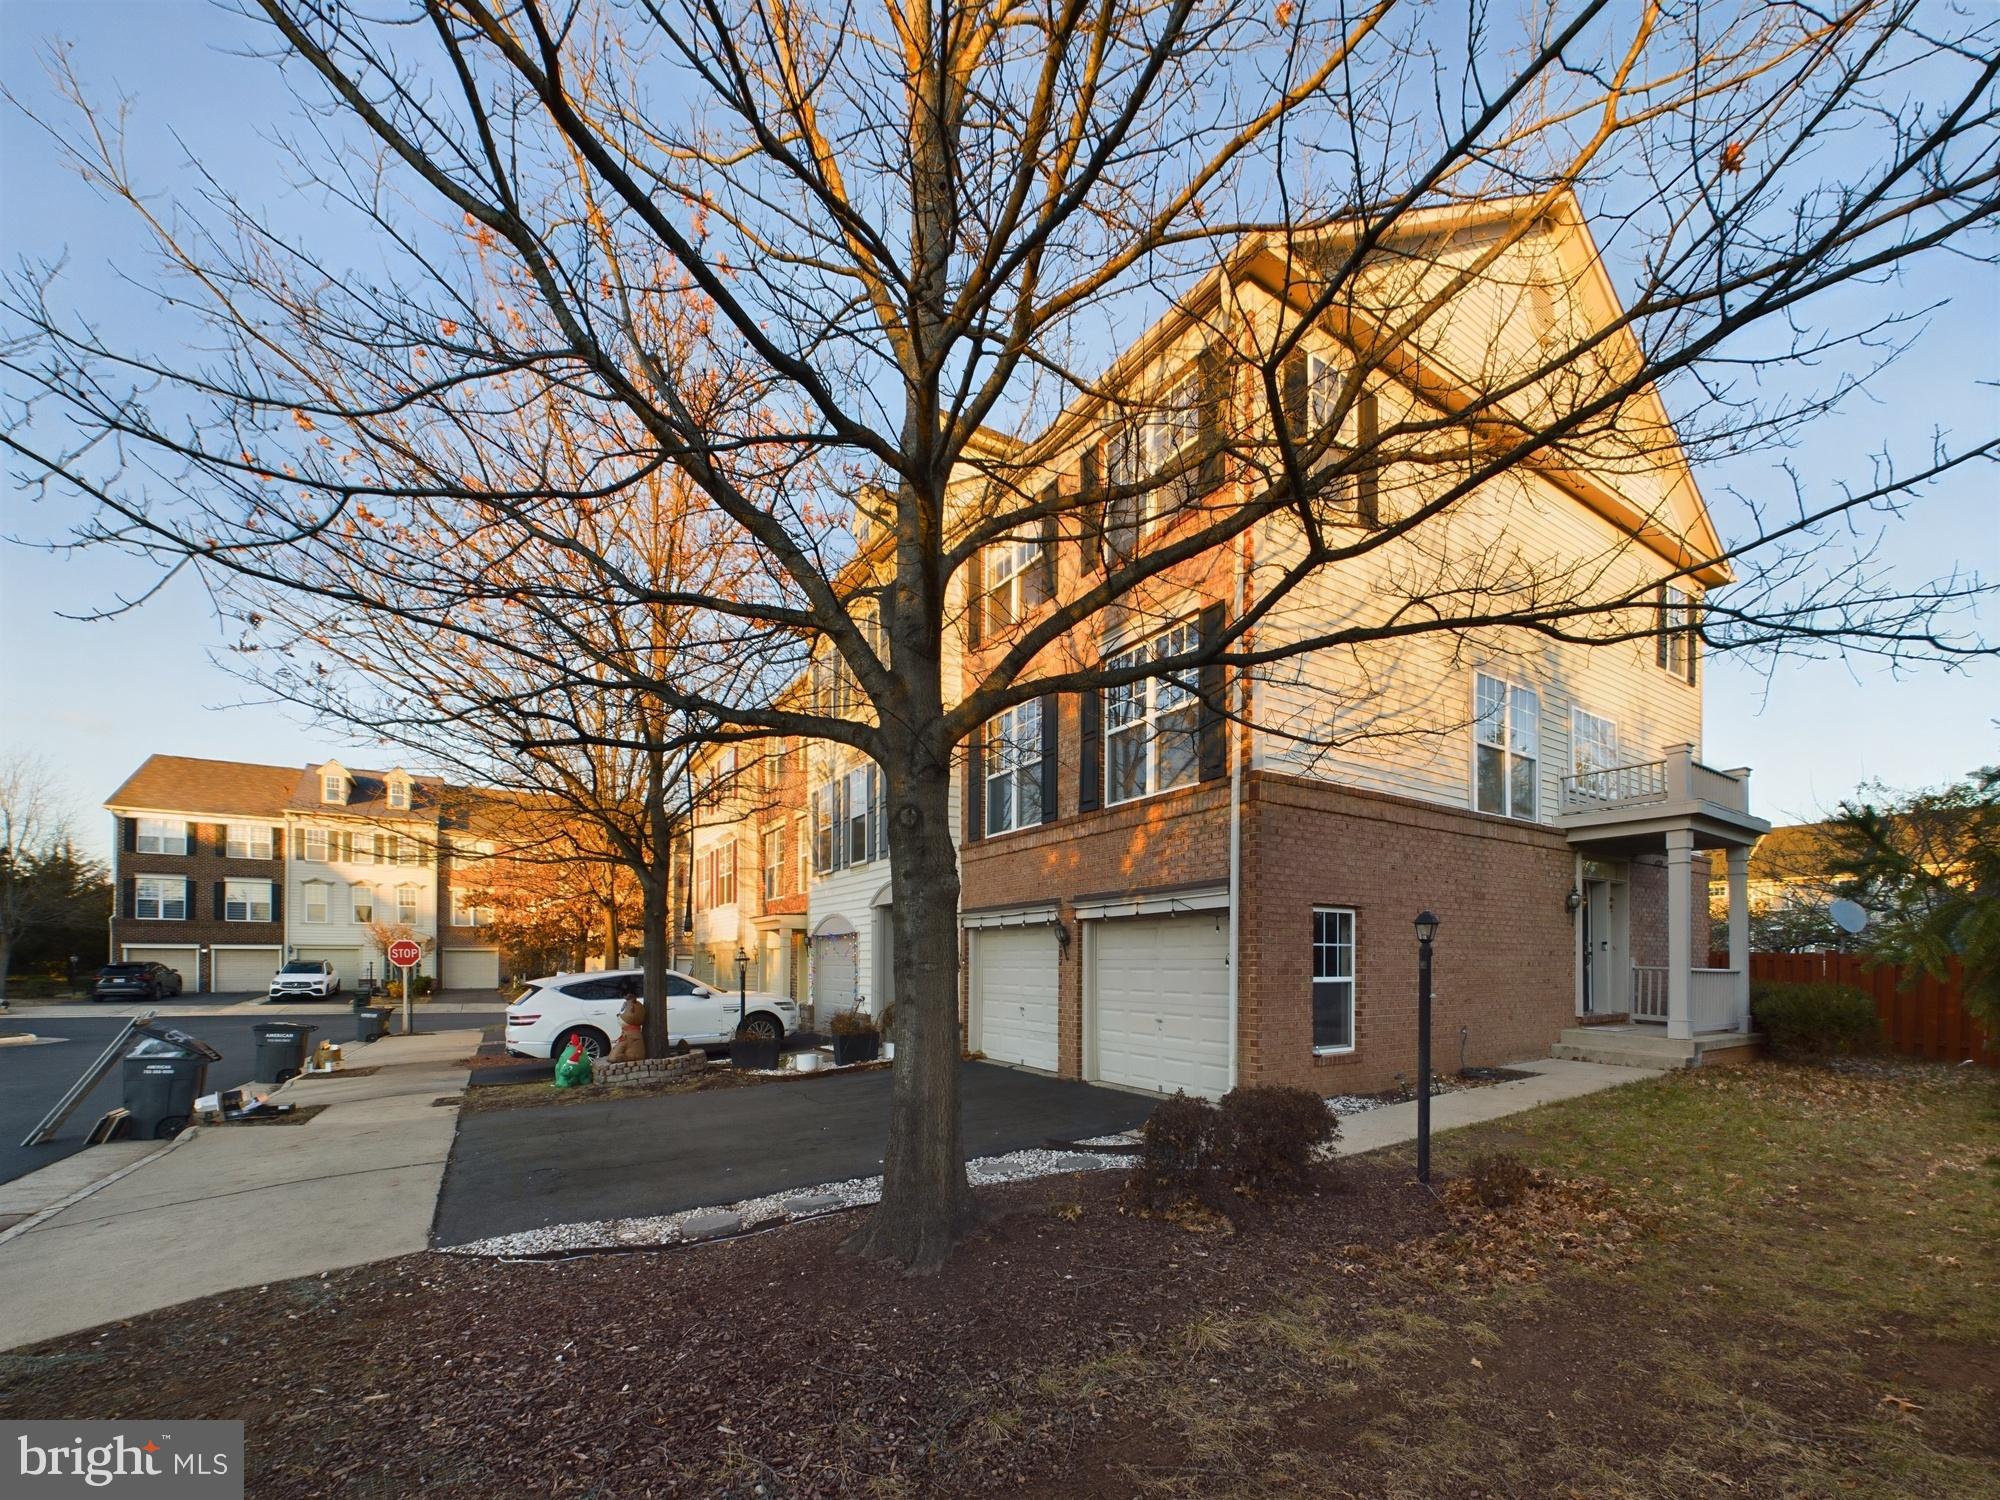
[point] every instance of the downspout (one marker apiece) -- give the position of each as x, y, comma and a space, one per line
1225, 301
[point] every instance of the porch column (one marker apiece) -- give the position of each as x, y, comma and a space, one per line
1739, 932
1680, 958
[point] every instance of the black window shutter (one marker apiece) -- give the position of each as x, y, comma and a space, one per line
975, 595
1693, 641
193, 837
975, 789
1214, 365
1367, 499
1292, 402
277, 843
127, 895
1660, 640
219, 911
1088, 474
277, 902
187, 901
129, 836
1213, 741
1051, 492
1051, 740
1090, 730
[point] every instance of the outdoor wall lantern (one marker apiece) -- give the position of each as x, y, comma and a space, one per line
1062, 934
1427, 930
1573, 901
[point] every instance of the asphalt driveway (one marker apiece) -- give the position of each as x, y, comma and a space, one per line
518, 1169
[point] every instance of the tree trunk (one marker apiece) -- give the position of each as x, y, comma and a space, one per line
927, 1204
611, 954
653, 929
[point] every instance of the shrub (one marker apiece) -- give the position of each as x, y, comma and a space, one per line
1814, 1020
1266, 1137
852, 1023
1175, 1147
1499, 1180
888, 1021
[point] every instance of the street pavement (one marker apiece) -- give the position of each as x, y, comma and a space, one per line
516, 1169
33, 1078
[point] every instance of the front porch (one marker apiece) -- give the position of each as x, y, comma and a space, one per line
1619, 816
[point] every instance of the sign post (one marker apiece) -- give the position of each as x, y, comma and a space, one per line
406, 955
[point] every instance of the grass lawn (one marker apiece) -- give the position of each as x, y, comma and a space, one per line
1767, 1282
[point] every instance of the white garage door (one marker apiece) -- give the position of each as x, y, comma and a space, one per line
472, 968
180, 960
1161, 1002
1014, 995
346, 962
244, 970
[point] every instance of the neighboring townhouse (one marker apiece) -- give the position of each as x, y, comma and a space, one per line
472, 832
1190, 885
748, 870
198, 860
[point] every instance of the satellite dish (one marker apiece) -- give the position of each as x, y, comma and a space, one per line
1848, 916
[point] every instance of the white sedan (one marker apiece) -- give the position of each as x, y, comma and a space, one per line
550, 1011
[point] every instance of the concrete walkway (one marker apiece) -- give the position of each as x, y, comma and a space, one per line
237, 1206
1554, 1080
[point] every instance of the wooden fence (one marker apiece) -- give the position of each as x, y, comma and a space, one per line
1928, 1019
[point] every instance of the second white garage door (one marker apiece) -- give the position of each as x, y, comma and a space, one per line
472, 968
244, 970
1161, 1002
346, 962
1014, 994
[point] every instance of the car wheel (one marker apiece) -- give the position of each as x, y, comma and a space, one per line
762, 1028
596, 1045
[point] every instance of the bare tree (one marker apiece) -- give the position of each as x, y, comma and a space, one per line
921, 230
32, 831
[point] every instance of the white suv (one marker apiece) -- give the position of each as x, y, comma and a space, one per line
304, 979
550, 1011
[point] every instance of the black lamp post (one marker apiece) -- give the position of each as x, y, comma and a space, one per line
742, 984
1427, 927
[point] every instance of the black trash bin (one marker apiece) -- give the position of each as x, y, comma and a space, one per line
371, 1023
281, 1049
164, 1075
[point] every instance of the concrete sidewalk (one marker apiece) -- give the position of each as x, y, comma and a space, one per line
236, 1206
1554, 1080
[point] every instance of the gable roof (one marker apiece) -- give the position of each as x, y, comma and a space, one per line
367, 795
186, 784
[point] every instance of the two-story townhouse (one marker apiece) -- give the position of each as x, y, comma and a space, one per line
362, 866
474, 830
1190, 884
198, 858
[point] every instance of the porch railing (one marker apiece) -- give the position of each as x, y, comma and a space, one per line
1649, 992
1676, 777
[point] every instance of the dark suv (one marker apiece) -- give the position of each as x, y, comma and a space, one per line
148, 981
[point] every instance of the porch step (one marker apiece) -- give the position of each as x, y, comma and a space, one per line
1628, 1047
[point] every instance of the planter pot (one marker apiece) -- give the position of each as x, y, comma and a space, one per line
753, 1052
859, 1048
888, 1051
807, 1062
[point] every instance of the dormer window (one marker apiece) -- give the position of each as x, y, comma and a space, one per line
333, 788
399, 794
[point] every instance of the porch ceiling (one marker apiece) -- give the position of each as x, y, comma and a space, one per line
1622, 833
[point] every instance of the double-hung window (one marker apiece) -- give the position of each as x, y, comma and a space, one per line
1017, 580
802, 837
1173, 427
161, 836
1674, 649
863, 813
1152, 727
363, 897
774, 864
1507, 746
408, 850
1322, 392
316, 845
1011, 763
1333, 979
847, 820
406, 904
159, 898
725, 873
1593, 742
465, 912
318, 896
333, 787
248, 841
246, 900
399, 794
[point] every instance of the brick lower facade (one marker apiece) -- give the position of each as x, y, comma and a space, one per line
205, 927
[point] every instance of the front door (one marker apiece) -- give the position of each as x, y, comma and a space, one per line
1603, 919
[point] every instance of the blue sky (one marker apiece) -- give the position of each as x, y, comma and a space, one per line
96, 697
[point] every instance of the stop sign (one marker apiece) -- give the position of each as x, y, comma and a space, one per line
404, 954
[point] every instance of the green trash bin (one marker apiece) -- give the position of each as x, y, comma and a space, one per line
164, 1075
371, 1023
281, 1049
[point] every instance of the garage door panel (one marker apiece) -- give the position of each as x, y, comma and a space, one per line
471, 969
180, 960
1014, 995
346, 962
1162, 1003
244, 970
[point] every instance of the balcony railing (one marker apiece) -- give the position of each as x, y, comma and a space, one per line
1711, 997
1678, 777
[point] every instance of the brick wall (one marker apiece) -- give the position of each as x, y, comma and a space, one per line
207, 866
1503, 962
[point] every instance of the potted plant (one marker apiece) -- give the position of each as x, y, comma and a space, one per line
759, 1052
889, 1031
855, 1038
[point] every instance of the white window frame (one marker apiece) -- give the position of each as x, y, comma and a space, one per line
324, 888
1141, 707
1170, 429
399, 794
1011, 768
1322, 390
1676, 625
166, 908
408, 850
241, 903
243, 841
409, 902
1520, 707
465, 912
774, 863
1327, 952
1015, 584
361, 901
802, 831
1589, 729
333, 789
159, 841
316, 845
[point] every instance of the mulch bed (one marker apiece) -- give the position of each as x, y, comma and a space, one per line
767, 1360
